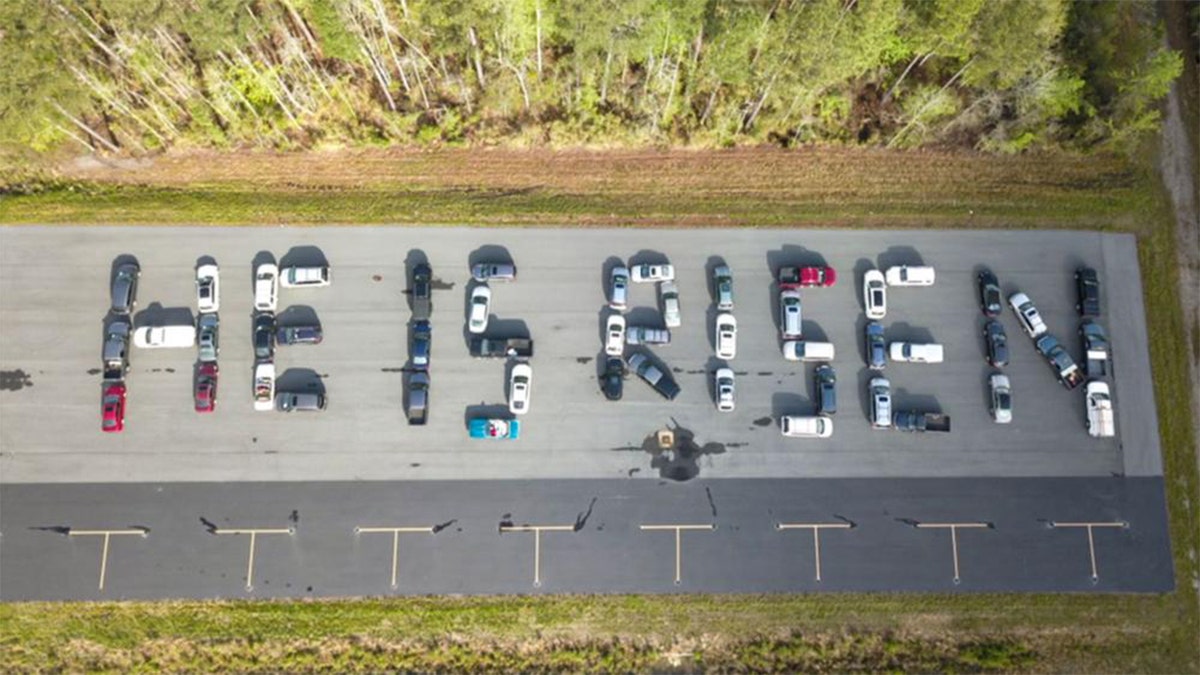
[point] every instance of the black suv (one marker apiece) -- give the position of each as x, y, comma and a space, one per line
1087, 285
264, 337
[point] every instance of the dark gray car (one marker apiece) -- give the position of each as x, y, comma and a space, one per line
876, 346
124, 288
826, 384
997, 343
299, 335
264, 336
422, 291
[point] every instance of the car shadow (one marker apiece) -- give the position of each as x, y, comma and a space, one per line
900, 255
156, 315
301, 380
297, 315
304, 256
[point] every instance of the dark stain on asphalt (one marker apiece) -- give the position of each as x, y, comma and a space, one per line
681, 461
15, 380
633, 471
439, 285
505, 521
441, 526
846, 520
169, 370
908, 521
295, 517
376, 277
209, 525
392, 370
696, 372
56, 529
711, 504
254, 439
677, 370
93, 371
414, 464
762, 422
583, 360
582, 518
741, 372
736, 445
765, 373
322, 375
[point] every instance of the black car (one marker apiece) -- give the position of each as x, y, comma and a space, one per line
298, 335
613, 381
826, 390
997, 344
264, 337
422, 291
876, 347
422, 344
1087, 285
989, 294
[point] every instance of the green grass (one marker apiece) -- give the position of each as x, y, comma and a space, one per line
881, 632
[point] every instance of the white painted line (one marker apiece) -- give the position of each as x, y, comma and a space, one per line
816, 530
678, 542
537, 543
1121, 524
253, 536
954, 527
395, 532
104, 551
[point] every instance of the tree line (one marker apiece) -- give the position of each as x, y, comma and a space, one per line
133, 76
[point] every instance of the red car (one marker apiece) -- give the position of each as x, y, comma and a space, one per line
206, 388
112, 408
817, 276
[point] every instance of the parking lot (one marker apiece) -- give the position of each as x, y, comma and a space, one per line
54, 294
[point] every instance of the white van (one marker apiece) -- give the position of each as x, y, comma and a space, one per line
153, 337
1100, 417
266, 287
813, 426
904, 275
304, 277
916, 353
807, 350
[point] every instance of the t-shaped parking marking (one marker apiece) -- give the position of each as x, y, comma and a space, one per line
816, 530
396, 532
104, 553
678, 529
537, 543
954, 527
1091, 541
254, 535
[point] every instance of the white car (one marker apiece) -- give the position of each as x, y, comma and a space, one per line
264, 386
904, 275
650, 273
1001, 404
874, 294
670, 304
519, 383
208, 295
1028, 315
723, 385
881, 402
481, 306
614, 335
912, 352
726, 332
810, 426
154, 337
618, 299
266, 287
789, 315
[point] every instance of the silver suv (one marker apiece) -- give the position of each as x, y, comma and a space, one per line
289, 401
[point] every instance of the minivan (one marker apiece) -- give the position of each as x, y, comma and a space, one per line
303, 277
124, 288
306, 401
904, 275
807, 350
494, 271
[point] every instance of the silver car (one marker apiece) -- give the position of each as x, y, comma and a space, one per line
723, 288
208, 328
1001, 405
670, 303
619, 298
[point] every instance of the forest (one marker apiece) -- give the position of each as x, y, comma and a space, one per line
1002, 76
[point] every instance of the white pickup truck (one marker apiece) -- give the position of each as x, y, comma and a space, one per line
264, 386
1101, 422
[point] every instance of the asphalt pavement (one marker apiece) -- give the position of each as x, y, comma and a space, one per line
54, 296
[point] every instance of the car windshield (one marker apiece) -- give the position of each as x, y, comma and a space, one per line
877, 296
1004, 401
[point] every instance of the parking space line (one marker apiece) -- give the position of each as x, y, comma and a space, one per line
954, 527
678, 543
1124, 525
253, 536
816, 531
396, 532
537, 543
107, 534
